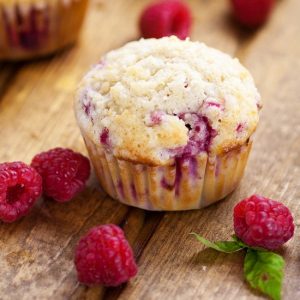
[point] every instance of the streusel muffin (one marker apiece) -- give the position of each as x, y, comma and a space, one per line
168, 123
34, 28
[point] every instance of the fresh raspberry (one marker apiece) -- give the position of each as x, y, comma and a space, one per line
262, 222
20, 187
64, 172
104, 256
252, 13
166, 18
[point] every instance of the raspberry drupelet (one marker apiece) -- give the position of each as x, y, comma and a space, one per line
64, 173
262, 222
20, 188
104, 256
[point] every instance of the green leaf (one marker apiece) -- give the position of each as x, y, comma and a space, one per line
240, 242
223, 246
264, 271
235, 238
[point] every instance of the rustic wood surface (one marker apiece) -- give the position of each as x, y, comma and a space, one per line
36, 114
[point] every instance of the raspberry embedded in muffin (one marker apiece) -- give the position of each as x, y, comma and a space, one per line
200, 135
104, 137
156, 117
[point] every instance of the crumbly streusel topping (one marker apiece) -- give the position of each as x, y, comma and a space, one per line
151, 98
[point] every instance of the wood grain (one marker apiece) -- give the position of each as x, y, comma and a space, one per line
7, 73
36, 253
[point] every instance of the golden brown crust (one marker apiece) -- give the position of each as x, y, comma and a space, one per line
225, 148
228, 146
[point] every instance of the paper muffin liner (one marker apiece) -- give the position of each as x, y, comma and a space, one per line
35, 28
187, 183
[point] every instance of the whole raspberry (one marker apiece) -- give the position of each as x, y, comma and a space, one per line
166, 18
262, 222
104, 256
20, 187
252, 13
64, 172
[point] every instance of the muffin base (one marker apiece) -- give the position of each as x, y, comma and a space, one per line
31, 30
187, 183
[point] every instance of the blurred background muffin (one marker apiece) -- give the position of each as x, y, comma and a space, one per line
34, 28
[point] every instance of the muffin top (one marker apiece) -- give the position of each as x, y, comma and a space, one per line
156, 99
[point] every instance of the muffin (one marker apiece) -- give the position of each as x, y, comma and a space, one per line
34, 28
168, 124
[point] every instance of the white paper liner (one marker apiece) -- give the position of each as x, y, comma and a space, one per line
186, 184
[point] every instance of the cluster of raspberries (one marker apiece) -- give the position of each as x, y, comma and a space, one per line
59, 174
173, 17
103, 255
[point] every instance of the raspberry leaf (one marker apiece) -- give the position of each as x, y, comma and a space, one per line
242, 244
222, 246
264, 271
235, 238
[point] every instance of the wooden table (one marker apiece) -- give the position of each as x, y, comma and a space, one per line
36, 253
